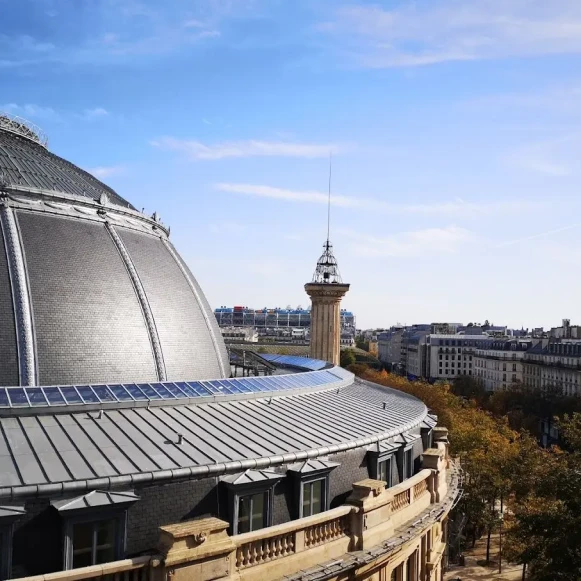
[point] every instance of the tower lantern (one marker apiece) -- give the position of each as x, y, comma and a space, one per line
326, 291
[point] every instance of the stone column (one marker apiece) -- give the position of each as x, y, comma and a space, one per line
326, 319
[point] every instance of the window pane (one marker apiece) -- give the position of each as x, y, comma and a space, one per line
105, 541
82, 544
317, 497
258, 508
409, 464
307, 499
384, 471
244, 514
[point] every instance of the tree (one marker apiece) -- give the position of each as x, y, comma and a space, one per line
469, 387
502, 468
347, 357
545, 532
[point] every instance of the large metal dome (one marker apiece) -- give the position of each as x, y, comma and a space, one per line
91, 291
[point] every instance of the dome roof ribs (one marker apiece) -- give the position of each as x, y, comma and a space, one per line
144, 303
26, 347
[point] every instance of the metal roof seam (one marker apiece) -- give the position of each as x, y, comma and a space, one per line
220, 468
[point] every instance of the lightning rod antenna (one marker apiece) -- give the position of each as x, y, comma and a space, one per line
329, 201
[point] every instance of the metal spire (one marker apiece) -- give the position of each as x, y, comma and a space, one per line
329, 201
327, 270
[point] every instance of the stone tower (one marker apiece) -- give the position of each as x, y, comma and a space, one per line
326, 291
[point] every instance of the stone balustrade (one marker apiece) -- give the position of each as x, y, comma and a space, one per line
137, 569
203, 550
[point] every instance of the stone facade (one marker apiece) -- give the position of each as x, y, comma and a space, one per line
326, 319
377, 534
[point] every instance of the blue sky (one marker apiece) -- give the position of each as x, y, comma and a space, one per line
455, 128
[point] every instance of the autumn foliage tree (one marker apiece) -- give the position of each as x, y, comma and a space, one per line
505, 468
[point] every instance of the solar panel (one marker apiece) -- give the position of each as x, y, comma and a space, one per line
103, 393
127, 393
17, 397
211, 388
135, 392
257, 385
35, 396
248, 385
148, 391
54, 396
88, 395
198, 389
234, 386
120, 393
175, 389
71, 395
163, 391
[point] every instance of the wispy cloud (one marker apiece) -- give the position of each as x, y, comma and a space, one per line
426, 32
42, 112
93, 114
106, 171
563, 98
539, 235
251, 148
556, 157
119, 30
227, 227
407, 244
455, 208
31, 111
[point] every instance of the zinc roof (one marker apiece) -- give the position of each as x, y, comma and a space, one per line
52, 453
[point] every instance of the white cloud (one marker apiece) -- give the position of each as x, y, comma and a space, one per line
308, 197
557, 157
251, 148
103, 171
227, 228
539, 235
407, 244
92, 114
427, 32
563, 98
30, 111
456, 208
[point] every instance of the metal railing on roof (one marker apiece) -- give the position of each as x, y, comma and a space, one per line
23, 128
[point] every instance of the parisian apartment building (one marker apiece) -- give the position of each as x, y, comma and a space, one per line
497, 356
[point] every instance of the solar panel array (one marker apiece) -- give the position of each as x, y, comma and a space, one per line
30, 397
295, 361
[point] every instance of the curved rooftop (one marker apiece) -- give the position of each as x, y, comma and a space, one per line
91, 290
26, 163
84, 448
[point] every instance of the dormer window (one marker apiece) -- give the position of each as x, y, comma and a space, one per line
250, 499
311, 479
94, 527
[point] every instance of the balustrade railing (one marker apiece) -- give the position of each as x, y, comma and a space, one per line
264, 550
137, 569
420, 488
326, 531
306, 541
400, 500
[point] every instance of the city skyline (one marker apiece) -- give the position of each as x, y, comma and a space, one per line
455, 137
